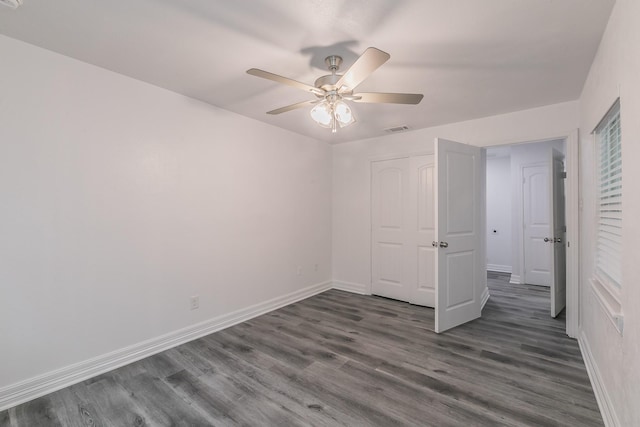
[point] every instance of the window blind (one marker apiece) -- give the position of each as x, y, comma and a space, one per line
609, 205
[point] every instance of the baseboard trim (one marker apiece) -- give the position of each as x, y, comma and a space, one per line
515, 279
49, 382
485, 297
499, 268
355, 288
602, 396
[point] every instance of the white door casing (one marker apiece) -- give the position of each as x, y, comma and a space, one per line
460, 257
403, 227
536, 208
558, 226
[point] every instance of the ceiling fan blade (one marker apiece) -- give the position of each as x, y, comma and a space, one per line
284, 80
366, 64
293, 107
388, 98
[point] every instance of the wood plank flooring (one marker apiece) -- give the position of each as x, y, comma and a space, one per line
339, 359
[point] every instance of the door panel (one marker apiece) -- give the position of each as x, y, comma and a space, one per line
558, 225
460, 266
426, 268
390, 205
390, 263
460, 275
537, 225
459, 197
426, 209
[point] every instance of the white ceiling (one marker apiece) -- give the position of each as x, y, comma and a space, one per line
469, 58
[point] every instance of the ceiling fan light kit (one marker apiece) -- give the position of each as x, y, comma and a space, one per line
333, 90
331, 113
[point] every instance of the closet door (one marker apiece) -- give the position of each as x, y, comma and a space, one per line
422, 208
391, 229
403, 229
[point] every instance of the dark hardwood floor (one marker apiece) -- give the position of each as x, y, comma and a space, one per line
345, 359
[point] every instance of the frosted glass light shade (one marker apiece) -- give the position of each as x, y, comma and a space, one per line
322, 114
329, 114
343, 114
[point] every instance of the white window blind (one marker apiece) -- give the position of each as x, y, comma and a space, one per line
609, 201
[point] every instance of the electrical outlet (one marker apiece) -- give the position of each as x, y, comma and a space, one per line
299, 272
195, 302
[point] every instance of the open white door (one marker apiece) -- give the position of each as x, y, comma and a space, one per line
558, 228
460, 261
536, 215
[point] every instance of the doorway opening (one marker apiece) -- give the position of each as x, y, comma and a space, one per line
526, 221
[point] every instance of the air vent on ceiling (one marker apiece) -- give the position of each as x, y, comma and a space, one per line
13, 4
397, 129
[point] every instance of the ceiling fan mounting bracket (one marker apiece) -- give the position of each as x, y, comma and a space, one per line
333, 62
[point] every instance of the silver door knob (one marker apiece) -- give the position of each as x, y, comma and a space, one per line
546, 239
557, 240
444, 245
434, 244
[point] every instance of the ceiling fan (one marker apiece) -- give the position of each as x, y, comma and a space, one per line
334, 89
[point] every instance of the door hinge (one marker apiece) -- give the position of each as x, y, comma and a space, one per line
563, 175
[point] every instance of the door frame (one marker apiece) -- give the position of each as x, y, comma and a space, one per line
572, 219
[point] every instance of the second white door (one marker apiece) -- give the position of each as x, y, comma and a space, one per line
558, 228
537, 225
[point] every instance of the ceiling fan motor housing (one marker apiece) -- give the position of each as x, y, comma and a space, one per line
328, 82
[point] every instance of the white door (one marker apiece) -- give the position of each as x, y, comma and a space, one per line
403, 228
537, 253
558, 237
460, 257
422, 184
390, 252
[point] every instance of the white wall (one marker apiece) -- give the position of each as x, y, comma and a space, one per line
120, 200
499, 251
351, 174
615, 72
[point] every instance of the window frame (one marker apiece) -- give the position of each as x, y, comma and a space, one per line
605, 287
